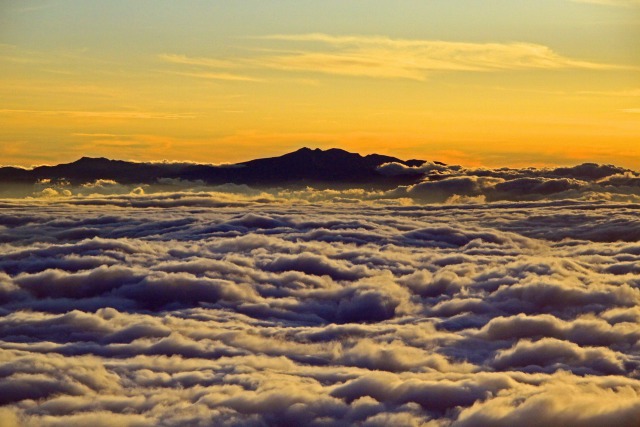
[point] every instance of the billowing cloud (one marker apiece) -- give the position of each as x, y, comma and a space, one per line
429, 182
214, 308
454, 184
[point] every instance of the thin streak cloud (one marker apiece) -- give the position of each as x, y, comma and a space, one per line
619, 3
616, 93
103, 114
386, 57
188, 60
218, 76
383, 57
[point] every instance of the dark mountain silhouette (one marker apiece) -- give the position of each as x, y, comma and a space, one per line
331, 168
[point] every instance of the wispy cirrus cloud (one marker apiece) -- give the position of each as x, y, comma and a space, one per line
101, 114
200, 68
619, 3
218, 76
190, 60
384, 57
617, 93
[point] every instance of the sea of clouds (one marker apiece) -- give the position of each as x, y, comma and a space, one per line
435, 183
242, 307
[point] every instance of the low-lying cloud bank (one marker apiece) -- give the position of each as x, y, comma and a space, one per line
199, 309
588, 181
433, 183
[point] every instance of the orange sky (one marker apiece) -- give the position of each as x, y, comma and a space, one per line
492, 83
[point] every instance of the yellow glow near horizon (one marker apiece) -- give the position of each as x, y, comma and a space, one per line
263, 92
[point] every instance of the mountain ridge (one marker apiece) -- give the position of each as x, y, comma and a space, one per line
332, 167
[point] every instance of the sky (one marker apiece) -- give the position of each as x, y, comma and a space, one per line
471, 82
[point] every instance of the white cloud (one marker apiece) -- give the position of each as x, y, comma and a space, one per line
214, 308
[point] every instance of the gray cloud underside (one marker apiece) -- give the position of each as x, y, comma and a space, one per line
197, 309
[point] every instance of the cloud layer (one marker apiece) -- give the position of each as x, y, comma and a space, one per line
226, 309
432, 182
383, 57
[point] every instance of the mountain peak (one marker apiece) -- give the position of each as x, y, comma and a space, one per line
320, 151
87, 159
305, 150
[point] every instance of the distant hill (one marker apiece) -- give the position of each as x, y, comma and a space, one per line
332, 168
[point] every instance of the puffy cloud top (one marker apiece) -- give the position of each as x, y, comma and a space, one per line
303, 308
